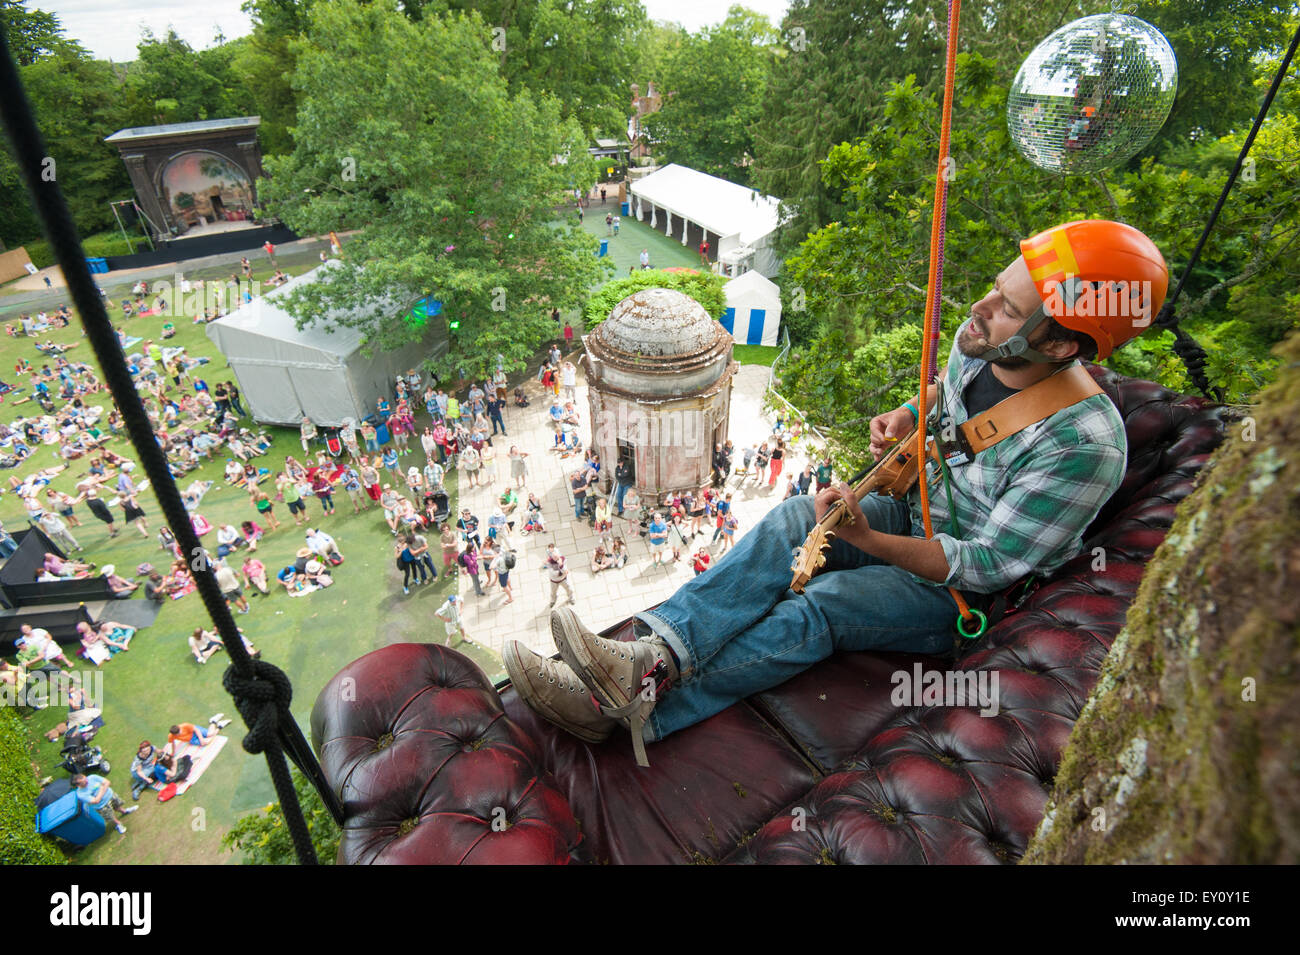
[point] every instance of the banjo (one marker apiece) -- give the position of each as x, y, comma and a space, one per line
893, 475
897, 470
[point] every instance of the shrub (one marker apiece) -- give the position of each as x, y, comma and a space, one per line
97, 246
19, 842
264, 837
704, 287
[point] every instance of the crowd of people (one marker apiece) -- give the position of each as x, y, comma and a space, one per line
696, 525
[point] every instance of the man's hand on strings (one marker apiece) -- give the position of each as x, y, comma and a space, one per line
891, 425
853, 532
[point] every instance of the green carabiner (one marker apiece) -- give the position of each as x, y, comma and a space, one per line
984, 625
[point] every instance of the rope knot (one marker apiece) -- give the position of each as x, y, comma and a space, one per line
261, 700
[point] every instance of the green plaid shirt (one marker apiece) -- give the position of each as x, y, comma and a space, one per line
1023, 504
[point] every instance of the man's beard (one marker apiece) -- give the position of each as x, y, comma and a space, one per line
973, 342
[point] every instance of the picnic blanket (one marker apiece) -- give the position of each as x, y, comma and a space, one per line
189, 588
131, 341
194, 493
201, 758
334, 474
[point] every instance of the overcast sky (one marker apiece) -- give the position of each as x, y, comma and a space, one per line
110, 29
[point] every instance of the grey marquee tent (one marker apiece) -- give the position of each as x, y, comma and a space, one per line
318, 371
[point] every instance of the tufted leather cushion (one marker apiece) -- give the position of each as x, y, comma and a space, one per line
824, 768
415, 742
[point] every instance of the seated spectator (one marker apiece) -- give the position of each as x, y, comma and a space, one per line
254, 573
508, 501
203, 644
322, 544
155, 589
600, 560
316, 572
251, 533
98, 644
121, 587
235, 474
36, 647
408, 516
288, 577
204, 444
146, 771
238, 448
534, 523
228, 539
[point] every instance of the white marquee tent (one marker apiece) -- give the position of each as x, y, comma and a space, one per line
753, 310
688, 204
319, 371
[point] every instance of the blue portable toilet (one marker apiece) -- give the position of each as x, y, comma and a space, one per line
753, 309
627, 209
604, 248
70, 819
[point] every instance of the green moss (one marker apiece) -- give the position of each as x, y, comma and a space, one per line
1216, 604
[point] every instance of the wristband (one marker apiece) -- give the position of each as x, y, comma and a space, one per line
916, 415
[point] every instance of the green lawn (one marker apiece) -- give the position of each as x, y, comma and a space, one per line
311, 637
158, 682
756, 354
633, 236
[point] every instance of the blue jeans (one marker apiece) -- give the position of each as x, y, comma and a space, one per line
579, 504
619, 491
7, 546
739, 629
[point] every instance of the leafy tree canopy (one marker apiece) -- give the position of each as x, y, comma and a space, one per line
408, 133
30, 33
863, 276
713, 84
581, 52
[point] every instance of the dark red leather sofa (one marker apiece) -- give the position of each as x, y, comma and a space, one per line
433, 766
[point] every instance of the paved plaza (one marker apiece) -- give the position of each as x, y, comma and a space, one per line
607, 597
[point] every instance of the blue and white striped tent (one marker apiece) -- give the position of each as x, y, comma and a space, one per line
753, 312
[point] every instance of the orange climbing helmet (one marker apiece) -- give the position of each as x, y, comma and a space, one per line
1102, 278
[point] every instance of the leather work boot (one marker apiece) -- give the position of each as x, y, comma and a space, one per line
626, 678
554, 692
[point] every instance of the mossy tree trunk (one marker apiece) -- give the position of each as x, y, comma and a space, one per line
1187, 750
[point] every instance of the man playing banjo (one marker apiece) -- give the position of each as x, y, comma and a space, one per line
1022, 497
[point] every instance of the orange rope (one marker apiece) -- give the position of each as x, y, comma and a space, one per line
932, 290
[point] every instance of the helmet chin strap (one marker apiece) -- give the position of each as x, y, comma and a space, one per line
1017, 346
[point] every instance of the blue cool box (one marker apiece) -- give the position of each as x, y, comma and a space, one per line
71, 819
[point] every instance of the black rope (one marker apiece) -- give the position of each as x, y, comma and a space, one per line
262, 692
1186, 347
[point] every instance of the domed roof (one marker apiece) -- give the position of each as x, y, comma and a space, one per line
658, 322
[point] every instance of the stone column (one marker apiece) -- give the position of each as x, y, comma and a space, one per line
152, 201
